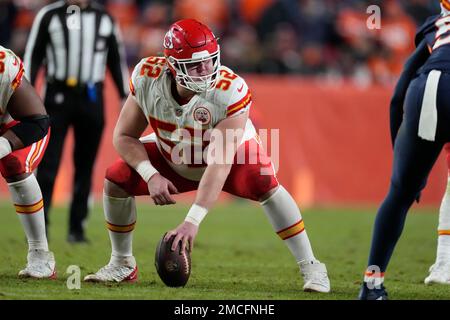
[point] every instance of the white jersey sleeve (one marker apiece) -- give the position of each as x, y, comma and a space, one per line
142, 78
233, 95
11, 74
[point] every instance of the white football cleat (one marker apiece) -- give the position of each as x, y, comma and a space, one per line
439, 274
40, 265
315, 277
123, 271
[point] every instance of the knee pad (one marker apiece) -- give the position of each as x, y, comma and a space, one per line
32, 129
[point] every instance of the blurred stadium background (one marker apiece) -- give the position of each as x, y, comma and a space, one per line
316, 71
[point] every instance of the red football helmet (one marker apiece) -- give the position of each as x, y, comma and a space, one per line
186, 44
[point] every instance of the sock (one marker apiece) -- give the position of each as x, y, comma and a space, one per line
120, 215
443, 248
285, 217
27, 198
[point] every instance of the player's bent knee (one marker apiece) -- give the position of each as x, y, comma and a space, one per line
406, 190
408, 185
117, 177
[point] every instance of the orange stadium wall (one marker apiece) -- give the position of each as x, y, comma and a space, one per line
334, 142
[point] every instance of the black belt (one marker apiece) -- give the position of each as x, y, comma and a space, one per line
63, 85
92, 91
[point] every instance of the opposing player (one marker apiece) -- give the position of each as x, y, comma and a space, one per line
420, 126
24, 126
440, 270
183, 96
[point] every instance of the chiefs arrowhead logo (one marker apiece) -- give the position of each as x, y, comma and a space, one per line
202, 115
168, 42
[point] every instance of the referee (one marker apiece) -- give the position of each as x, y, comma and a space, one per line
75, 41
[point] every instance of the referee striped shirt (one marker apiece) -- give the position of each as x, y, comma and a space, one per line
76, 45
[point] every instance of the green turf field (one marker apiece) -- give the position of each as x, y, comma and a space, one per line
237, 256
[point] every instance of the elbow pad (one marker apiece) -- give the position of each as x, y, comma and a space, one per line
32, 128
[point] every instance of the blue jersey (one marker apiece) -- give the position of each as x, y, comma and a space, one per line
436, 33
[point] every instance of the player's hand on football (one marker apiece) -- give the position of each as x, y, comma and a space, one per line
186, 232
160, 190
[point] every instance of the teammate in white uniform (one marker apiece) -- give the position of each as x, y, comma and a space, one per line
24, 127
192, 103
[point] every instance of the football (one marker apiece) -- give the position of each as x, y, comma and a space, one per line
173, 267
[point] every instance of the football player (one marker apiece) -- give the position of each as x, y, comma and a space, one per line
183, 96
24, 130
420, 126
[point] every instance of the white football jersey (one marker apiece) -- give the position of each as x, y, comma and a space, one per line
150, 85
11, 73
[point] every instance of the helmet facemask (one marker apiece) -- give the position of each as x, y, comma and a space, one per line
197, 84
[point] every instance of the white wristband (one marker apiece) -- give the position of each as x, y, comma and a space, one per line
146, 170
5, 147
196, 214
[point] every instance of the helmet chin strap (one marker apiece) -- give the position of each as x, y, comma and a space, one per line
198, 87
182, 82
196, 84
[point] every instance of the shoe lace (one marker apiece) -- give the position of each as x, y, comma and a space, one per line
316, 276
39, 262
117, 273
